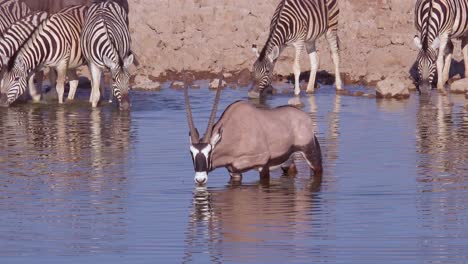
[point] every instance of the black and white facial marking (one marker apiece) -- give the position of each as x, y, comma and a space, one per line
262, 70
426, 64
201, 157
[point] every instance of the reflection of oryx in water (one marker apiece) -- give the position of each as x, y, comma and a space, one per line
246, 137
247, 213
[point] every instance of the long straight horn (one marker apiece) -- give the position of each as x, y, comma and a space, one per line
209, 128
193, 131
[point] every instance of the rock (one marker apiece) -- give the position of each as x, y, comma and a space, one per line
177, 85
142, 82
227, 75
359, 93
392, 88
459, 86
214, 84
296, 101
195, 86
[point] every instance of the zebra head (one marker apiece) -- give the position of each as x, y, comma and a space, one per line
262, 71
426, 64
120, 79
14, 81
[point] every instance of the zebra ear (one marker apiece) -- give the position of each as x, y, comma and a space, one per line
436, 43
109, 63
417, 42
274, 54
255, 50
128, 61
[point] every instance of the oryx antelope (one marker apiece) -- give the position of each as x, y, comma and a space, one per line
437, 22
298, 23
246, 137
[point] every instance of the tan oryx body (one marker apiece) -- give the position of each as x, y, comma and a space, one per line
247, 137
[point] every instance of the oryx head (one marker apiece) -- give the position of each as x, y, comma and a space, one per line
262, 71
120, 79
201, 149
426, 63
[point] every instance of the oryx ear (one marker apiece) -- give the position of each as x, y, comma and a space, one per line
216, 138
255, 50
417, 42
274, 54
128, 61
436, 43
109, 63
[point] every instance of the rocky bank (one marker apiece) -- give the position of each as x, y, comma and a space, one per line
206, 35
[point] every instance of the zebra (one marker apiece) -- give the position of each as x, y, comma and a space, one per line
54, 44
298, 23
437, 22
106, 44
11, 11
13, 37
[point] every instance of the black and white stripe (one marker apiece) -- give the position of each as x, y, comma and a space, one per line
298, 23
10, 12
14, 36
437, 22
55, 44
106, 45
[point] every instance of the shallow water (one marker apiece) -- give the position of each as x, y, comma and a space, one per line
107, 187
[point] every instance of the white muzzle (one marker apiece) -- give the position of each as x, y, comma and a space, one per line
201, 177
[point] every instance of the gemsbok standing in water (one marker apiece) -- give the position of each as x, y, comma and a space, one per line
437, 22
298, 23
106, 44
246, 137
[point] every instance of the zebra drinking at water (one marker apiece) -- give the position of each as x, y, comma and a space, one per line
56, 44
298, 23
437, 22
106, 45
10, 12
14, 37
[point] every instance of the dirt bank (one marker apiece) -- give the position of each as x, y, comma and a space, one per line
206, 35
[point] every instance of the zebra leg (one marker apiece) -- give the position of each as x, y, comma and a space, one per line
440, 64
95, 84
465, 54
297, 67
32, 88
332, 38
314, 64
60, 86
448, 61
73, 79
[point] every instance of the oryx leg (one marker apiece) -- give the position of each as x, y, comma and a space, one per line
264, 173
448, 61
289, 167
299, 46
73, 79
440, 63
96, 75
35, 95
313, 156
235, 176
61, 76
332, 38
314, 64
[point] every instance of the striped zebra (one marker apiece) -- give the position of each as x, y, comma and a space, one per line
298, 23
10, 12
14, 37
106, 45
54, 44
437, 22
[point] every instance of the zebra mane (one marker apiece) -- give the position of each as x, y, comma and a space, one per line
33, 32
425, 27
106, 23
273, 25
